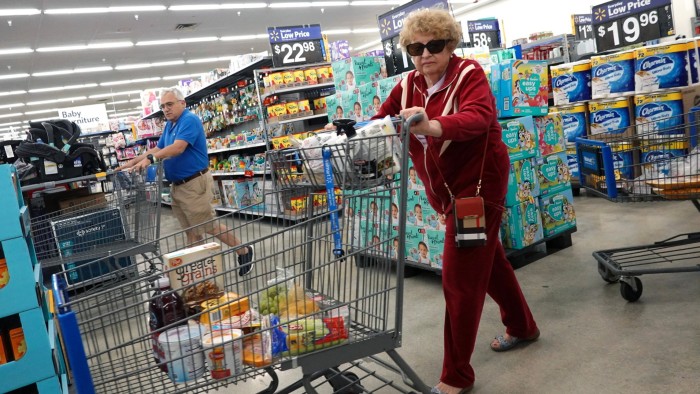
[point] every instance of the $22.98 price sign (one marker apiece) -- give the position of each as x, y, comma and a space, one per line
296, 45
484, 33
618, 23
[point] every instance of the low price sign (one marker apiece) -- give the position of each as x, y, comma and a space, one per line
485, 33
618, 23
583, 26
296, 45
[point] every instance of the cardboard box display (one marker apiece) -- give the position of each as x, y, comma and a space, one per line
550, 134
521, 226
415, 236
369, 99
334, 107
519, 136
228, 193
523, 185
557, 212
352, 109
521, 87
553, 173
196, 272
352, 72
436, 244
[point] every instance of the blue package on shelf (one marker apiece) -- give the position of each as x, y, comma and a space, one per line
86, 232
18, 293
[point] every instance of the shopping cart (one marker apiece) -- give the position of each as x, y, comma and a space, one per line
651, 161
107, 225
303, 306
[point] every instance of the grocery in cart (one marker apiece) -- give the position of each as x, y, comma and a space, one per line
654, 160
200, 322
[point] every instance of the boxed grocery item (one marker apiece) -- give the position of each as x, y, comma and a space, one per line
662, 66
521, 226
522, 182
571, 82
352, 72
550, 134
553, 173
199, 264
435, 243
520, 87
228, 193
557, 212
520, 138
369, 99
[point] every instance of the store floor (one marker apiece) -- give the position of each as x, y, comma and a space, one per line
593, 341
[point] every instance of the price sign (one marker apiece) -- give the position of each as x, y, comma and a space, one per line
621, 23
583, 26
484, 33
296, 45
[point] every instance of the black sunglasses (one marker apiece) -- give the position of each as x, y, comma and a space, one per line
434, 46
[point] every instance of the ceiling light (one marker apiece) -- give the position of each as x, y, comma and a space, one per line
93, 69
128, 81
168, 63
203, 7
57, 88
121, 44
177, 41
10, 123
148, 65
329, 3
369, 44
62, 48
11, 115
136, 100
183, 76
207, 60
376, 2
43, 111
103, 10
19, 11
106, 45
244, 37
61, 100
11, 105
14, 51
300, 4
367, 30
14, 76
337, 31
51, 73
12, 93
118, 102
129, 92
77, 70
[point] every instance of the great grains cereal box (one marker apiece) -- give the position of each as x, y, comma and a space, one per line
196, 271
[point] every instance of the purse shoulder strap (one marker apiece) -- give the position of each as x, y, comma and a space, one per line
481, 171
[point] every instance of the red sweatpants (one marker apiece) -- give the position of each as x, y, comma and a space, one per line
468, 274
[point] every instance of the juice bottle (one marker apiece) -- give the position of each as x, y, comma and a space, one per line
166, 307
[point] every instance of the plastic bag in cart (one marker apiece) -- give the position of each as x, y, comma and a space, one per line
373, 156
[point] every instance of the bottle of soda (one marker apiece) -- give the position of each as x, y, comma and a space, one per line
166, 307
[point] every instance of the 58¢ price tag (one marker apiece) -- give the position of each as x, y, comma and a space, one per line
484, 33
296, 45
618, 24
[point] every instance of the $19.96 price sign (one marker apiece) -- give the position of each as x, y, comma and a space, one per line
618, 23
296, 45
484, 33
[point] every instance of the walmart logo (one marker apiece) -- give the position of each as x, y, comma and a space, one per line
274, 35
600, 14
386, 27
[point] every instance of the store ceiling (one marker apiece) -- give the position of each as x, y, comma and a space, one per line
35, 36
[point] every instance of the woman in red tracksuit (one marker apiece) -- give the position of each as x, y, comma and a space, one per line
447, 149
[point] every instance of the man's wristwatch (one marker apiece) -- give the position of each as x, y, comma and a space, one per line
151, 159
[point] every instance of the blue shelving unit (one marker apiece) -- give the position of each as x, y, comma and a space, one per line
20, 297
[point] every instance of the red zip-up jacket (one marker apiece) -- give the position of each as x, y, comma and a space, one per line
465, 107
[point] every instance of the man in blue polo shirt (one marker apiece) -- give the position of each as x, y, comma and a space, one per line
183, 149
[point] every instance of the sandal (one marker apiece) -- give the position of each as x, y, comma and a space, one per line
504, 344
436, 390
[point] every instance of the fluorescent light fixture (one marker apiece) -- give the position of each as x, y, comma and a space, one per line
329, 3
244, 37
43, 111
367, 30
103, 10
177, 41
124, 93
368, 45
205, 7
337, 31
62, 48
11, 115
376, 2
149, 65
19, 11
11, 123
299, 4
136, 100
52, 73
15, 51
14, 76
105, 45
12, 93
207, 60
58, 88
168, 63
15, 105
61, 100
128, 81
93, 69
77, 71
117, 102
183, 76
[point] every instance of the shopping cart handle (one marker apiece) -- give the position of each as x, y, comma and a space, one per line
60, 295
415, 118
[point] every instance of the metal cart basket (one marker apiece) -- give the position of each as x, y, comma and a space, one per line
304, 305
655, 160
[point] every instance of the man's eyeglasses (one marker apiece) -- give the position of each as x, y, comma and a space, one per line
434, 46
167, 105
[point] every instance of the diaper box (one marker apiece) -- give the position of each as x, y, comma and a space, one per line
520, 87
352, 72
519, 136
613, 75
659, 114
553, 173
557, 212
522, 182
521, 226
574, 120
661, 66
571, 82
550, 134
611, 117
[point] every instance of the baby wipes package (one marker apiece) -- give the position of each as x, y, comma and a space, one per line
352, 72
659, 114
369, 99
550, 134
553, 173
611, 116
435, 241
661, 66
557, 212
384, 86
612, 75
522, 182
521, 225
519, 136
520, 87
415, 237
571, 82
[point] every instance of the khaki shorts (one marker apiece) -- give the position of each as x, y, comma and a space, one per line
192, 202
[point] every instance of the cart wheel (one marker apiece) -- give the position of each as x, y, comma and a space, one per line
628, 292
341, 386
606, 274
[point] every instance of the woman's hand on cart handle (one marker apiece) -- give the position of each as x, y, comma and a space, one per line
424, 126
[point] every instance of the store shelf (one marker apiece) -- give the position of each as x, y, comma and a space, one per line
103, 133
265, 213
237, 147
299, 89
323, 115
224, 82
238, 173
546, 41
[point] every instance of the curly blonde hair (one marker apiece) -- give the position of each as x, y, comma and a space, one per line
432, 22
